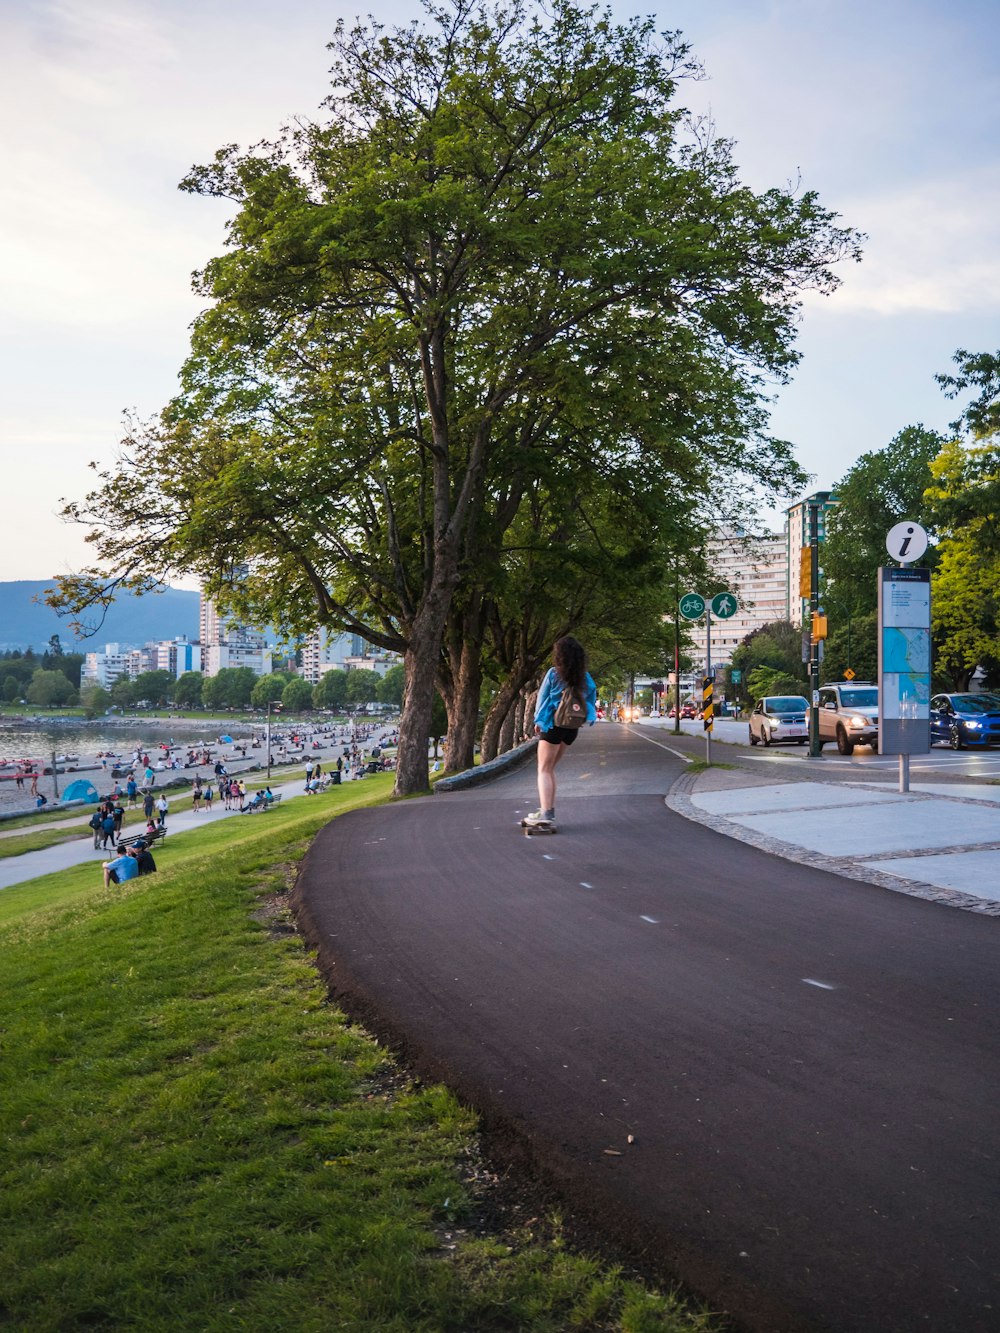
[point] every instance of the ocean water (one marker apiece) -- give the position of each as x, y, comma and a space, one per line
20, 740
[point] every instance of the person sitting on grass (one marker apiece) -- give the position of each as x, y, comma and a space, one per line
121, 868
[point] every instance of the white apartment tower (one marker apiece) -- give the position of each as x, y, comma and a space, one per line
756, 570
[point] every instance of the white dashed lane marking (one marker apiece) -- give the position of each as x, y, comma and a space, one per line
823, 985
651, 919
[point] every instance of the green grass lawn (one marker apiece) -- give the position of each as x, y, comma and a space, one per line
194, 1137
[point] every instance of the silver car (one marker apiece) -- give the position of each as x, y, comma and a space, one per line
780, 717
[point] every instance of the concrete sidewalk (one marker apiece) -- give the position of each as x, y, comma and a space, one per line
939, 841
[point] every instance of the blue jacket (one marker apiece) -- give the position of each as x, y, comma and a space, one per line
550, 694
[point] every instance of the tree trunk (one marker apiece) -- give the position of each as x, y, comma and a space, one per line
463, 711
522, 722
508, 730
420, 662
499, 709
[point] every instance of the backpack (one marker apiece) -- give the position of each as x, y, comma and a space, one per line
571, 711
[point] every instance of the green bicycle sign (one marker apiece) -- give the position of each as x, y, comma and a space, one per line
692, 606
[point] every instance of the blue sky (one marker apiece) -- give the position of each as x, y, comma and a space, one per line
890, 110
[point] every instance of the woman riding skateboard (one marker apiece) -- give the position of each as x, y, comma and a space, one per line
568, 691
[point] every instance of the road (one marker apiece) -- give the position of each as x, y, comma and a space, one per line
777, 1084
940, 762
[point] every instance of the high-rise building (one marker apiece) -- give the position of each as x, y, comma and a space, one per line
227, 643
800, 535
755, 569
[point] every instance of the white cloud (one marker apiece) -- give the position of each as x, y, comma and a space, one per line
934, 247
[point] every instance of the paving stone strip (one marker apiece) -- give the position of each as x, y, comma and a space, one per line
679, 800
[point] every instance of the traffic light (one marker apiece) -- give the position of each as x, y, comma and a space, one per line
805, 572
818, 626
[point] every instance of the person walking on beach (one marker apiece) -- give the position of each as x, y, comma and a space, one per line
569, 669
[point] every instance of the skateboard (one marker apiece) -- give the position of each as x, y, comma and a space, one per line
531, 829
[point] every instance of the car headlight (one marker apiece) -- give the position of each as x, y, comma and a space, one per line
969, 723
858, 721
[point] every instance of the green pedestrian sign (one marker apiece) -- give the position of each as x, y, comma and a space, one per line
723, 605
692, 606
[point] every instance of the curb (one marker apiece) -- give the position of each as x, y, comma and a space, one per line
679, 800
504, 763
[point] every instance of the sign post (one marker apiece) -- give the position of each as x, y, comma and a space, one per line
904, 650
692, 607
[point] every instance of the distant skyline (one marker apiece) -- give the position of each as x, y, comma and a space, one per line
890, 110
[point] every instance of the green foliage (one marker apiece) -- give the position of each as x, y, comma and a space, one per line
881, 489
95, 699
362, 686
231, 687
390, 686
764, 680
331, 690
11, 688
776, 646
297, 696
853, 642
49, 688
187, 689
979, 371
269, 689
156, 686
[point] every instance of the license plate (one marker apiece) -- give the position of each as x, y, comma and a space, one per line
796, 731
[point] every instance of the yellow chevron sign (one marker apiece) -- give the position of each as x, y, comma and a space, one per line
706, 704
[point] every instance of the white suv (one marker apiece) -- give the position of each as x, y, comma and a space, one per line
848, 714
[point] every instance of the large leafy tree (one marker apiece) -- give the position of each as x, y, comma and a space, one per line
882, 488
499, 226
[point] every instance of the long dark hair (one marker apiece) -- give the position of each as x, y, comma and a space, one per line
570, 661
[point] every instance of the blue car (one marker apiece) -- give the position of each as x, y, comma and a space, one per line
965, 719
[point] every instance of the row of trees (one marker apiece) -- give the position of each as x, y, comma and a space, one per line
950, 484
239, 687
480, 342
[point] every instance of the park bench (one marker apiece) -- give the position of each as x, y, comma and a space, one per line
158, 835
266, 805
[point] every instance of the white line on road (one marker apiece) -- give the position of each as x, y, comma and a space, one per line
651, 919
585, 885
669, 748
823, 985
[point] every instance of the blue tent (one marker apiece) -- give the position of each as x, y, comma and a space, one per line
81, 790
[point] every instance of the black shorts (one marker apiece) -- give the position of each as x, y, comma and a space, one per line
560, 735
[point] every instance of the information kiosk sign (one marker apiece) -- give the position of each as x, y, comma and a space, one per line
904, 660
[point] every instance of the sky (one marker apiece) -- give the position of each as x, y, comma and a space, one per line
889, 109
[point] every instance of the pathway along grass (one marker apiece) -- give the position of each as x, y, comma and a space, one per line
193, 1137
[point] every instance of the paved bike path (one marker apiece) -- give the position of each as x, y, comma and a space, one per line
777, 1083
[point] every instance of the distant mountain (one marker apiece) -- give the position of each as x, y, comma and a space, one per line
131, 620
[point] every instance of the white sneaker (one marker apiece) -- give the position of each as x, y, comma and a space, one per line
538, 820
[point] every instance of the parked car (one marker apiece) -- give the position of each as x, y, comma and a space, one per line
848, 714
780, 717
965, 719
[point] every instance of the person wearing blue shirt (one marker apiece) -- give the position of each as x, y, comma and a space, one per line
569, 667
125, 867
